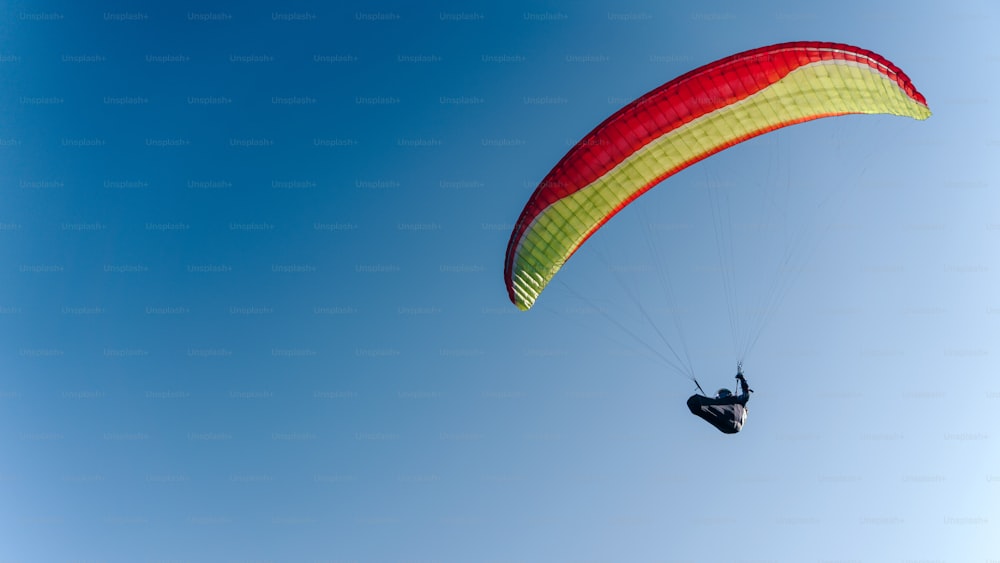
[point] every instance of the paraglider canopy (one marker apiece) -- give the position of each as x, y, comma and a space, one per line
682, 122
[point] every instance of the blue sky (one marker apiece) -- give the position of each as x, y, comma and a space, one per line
253, 308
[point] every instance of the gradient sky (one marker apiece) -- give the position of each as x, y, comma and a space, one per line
252, 305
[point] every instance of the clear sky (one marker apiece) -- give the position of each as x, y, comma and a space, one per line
252, 307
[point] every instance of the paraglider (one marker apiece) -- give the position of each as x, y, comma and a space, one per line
726, 411
684, 121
